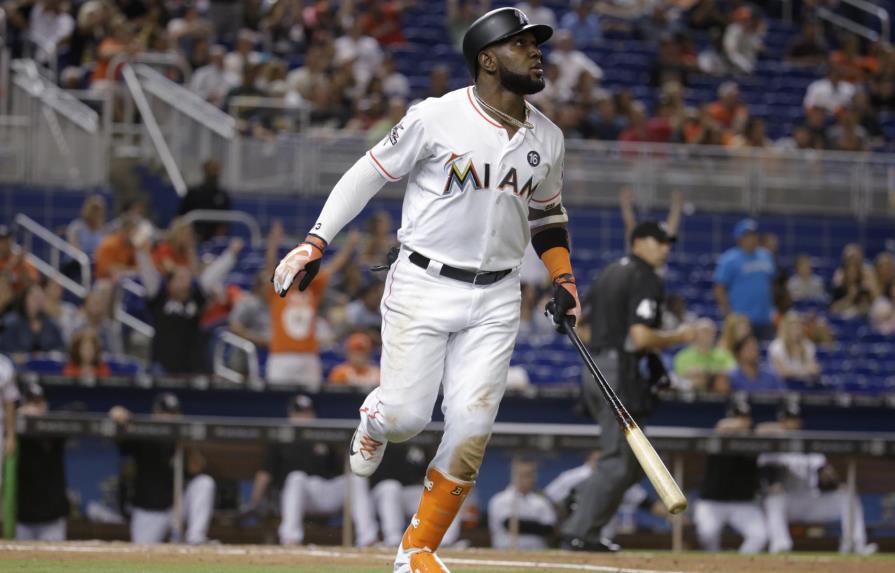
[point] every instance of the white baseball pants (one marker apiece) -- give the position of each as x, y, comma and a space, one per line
395, 503
783, 508
745, 517
49, 531
149, 527
313, 495
441, 332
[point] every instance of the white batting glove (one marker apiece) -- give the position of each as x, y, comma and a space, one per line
301, 264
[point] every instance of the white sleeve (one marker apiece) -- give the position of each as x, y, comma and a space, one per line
402, 146
356, 187
546, 201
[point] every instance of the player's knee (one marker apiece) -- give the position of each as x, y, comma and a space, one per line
403, 426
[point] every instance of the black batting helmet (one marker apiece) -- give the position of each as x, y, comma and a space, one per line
496, 26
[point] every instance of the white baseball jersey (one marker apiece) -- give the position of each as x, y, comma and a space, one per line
9, 392
469, 186
532, 506
801, 469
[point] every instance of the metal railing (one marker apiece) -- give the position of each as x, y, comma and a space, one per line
124, 317
27, 229
229, 341
274, 113
215, 216
860, 29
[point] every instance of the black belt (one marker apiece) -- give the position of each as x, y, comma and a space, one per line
481, 278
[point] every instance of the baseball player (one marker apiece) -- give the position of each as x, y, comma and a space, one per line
311, 482
804, 487
535, 515
9, 393
484, 172
153, 496
729, 489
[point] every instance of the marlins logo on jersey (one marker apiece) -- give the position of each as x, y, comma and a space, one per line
462, 173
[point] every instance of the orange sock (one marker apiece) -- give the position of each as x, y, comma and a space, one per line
439, 505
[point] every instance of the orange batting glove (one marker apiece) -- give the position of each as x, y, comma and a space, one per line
302, 264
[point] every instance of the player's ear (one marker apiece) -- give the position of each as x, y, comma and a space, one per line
487, 61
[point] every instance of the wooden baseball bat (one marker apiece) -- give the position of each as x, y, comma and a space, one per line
652, 465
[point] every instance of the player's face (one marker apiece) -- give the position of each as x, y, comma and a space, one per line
519, 64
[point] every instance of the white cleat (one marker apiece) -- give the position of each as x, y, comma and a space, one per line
418, 562
365, 454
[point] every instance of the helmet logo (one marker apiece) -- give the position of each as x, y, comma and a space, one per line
523, 19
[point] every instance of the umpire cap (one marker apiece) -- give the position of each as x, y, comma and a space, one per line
496, 26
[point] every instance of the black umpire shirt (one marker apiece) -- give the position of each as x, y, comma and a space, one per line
315, 459
154, 475
626, 292
41, 480
403, 463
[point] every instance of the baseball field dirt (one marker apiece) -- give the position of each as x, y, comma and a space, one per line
96, 557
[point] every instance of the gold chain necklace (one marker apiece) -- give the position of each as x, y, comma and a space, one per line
505, 117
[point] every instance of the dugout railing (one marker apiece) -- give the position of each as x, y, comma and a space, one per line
672, 442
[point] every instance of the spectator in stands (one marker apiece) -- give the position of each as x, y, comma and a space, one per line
853, 254
868, 118
242, 56
41, 497
59, 310
735, 328
363, 313
701, 128
605, 123
831, 93
728, 110
359, 50
460, 14
177, 249
382, 21
189, 29
571, 62
208, 195
310, 478
702, 365
855, 66
751, 375
210, 82
176, 300
884, 271
816, 125
29, 329
97, 314
439, 81
7, 299
250, 317
358, 368
294, 357
394, 83
13, 263
847, 134
729, 488
675, 61
49, 27
805, 285
532, 512
881, 86
671, 224
676, 312
115, 253
246, 115
120, 42
809, 47
744, 39
705, 15
538, 13
397, 108
801, 140
754, 135
87, 231
854, 294
85, 356
882, 311
791, 354
91, 27
637, 125
582, 23
153, 480
743, 279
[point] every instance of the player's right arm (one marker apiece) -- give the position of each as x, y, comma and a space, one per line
388, 160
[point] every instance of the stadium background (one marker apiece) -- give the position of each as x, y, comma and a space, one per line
280, 153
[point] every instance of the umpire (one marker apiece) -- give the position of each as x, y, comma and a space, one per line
624, 311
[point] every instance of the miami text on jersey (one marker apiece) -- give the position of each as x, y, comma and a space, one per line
460, 176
